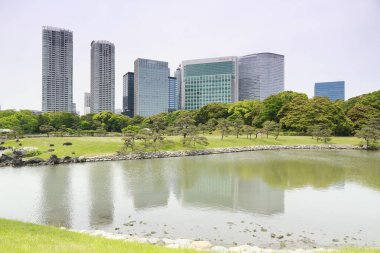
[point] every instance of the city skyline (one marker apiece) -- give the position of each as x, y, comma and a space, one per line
321, 43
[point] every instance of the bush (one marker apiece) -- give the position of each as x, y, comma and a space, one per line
67, 144
34, 152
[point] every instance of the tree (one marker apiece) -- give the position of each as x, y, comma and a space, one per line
202, 128
211, 111
46, 129
185, 124
248, 110
323, 133
211, 125
223, 126
370, 132
129, 140
248, 130
238, 125
132, 128
268, 126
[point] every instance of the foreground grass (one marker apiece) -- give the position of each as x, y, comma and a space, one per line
91, 146
25, 237
17, 237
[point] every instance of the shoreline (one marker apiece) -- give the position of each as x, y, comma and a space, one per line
17, 161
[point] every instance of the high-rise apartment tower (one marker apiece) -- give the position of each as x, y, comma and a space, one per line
57, 70
102, 76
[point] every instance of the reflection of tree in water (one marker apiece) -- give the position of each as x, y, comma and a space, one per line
148, 183
100, 187
55, 196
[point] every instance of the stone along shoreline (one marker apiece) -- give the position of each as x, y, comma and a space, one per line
16, 160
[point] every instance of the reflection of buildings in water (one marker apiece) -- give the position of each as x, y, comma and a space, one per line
148, 184
55, 197
229, 191
100, 187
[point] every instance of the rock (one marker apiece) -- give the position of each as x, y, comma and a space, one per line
50, 150
273, 235
183, 243
67, 144
153, 241
19, 153
280, 237
51, 145
54, 160
67, 159
167, 241
5, 158
82, 159
17, 162
201, 245
35, 160
242, 248
263, 230
335, 240
219, 249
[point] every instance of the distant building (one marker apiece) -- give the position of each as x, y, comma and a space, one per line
118, 111
150, 87
57, 70
128, 94
212, 80
260, 75
332, 90
102, 76
172, 94
87, 103
178, 77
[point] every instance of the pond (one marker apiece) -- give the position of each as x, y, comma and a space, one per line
283, 198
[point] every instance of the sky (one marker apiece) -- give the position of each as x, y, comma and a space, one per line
322, 40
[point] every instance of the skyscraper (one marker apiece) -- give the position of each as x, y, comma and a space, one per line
151, 87
212, 80
332, 90
57, 70
260, 75
178, 77
102, 76
172, 94
128, 94
87, 103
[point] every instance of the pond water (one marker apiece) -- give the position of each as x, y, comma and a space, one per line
311, 198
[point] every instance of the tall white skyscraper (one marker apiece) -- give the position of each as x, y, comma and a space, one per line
150, 87
178, 77
260, 75
57, 70
102, 76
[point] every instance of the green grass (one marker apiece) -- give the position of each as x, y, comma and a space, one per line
20, 237
91, 146
25, 237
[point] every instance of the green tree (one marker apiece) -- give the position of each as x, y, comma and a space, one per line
46, 129
248, 110
224, 126
370, 132
185, 124
211, 111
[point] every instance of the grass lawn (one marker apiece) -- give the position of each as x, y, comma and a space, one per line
90, 146
17, 237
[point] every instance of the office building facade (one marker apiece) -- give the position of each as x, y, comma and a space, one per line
128, 94
102, 76
172, 94
212, 80
150, 87
57, 70
332, 90
260, 75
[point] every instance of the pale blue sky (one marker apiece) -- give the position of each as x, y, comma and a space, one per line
322, 40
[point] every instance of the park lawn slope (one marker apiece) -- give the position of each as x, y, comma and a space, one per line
17, 237
92, 146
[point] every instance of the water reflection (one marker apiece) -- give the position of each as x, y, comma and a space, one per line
55, 199
100, 190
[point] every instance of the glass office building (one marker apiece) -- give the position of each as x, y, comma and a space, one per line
128, 94
57, 70
150, 87
332, 90
260, 75
178, 77
172, 94
208, 81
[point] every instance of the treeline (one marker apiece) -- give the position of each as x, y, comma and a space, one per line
288, 112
